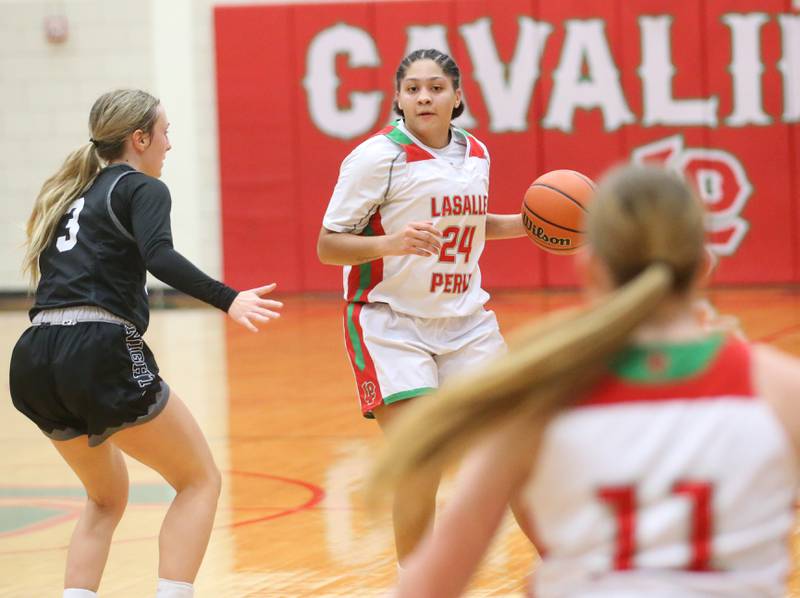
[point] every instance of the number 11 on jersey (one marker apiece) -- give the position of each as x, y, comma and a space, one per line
621, 500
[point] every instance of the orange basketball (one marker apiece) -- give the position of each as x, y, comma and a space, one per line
554, 209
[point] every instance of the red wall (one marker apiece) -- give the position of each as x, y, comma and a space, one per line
279, 165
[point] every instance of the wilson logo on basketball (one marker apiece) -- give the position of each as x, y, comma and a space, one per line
538, 232
720, 180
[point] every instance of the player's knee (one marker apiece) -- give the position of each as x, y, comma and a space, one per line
110, 504
207, 479
210, 479
210, 482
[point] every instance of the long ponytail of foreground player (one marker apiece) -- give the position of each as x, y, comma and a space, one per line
646, 226
113, 117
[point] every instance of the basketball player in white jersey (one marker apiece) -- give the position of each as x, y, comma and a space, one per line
408, 219
653, 456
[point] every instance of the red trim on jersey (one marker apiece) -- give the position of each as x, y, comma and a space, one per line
374, 228
353, 278
476, 149
728, 375
369, 391
376, 266
415, 153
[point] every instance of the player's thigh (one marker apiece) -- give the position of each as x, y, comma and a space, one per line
172, 444
387, 414
101, 469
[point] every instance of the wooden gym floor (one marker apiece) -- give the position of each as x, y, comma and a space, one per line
280, 413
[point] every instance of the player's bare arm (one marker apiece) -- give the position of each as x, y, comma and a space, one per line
347, 249
504, 226
777, 376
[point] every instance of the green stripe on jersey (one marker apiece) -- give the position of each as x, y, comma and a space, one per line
398, 136
661, 362
352, 334
364, 279
365, 269
364, 282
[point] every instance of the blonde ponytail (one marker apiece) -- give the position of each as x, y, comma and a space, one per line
75, 175
533, 381
113, 117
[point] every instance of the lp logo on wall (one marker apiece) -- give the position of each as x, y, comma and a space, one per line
720, 179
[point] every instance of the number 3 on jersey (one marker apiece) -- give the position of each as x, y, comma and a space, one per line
68, 241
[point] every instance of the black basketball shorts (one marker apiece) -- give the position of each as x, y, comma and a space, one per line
92, 378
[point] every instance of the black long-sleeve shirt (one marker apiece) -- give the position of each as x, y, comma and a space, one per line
107, 240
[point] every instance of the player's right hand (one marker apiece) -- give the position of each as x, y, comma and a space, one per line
416, 238
250, 307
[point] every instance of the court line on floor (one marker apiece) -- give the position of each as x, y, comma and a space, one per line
317, 495
773, 336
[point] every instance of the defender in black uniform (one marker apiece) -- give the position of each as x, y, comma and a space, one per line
82, 370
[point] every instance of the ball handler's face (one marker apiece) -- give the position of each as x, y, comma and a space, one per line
427, 98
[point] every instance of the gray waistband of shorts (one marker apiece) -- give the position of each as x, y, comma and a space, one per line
69, 316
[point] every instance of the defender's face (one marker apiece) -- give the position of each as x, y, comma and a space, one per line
158, 146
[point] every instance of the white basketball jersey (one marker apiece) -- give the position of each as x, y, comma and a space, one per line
672, 479
391, 180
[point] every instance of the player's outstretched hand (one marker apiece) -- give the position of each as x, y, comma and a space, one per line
250, 307
416, 238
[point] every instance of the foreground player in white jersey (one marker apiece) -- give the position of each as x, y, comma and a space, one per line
408, 220
653, 457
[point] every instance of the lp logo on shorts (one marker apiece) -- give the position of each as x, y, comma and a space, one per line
369, 393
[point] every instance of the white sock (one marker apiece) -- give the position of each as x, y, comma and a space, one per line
79, 593
174, 589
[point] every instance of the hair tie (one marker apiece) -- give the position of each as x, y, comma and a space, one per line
93, 141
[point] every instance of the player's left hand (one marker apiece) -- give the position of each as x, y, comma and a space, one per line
250, 307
